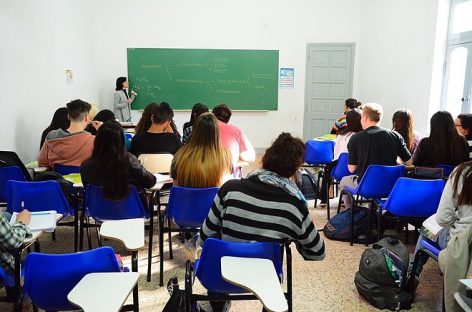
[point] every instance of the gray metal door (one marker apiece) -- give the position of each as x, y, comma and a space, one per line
329, 71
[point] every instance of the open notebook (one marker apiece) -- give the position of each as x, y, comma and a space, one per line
40, 220
430, 228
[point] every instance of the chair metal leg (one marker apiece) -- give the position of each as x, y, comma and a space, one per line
354, 202
99, 238
134, 267
53, 234
289, 278
379, 223
171, 254
76, 223
89, 236
369, 224
17, 288
188, 286
151, 234
161, 251
328, 207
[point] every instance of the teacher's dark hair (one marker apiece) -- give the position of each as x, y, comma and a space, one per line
285, 155
109, 151
119, 83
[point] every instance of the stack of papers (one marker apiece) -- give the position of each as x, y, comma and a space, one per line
430, 228
40, 220
163, 178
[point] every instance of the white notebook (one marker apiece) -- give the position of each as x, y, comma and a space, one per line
40, 220
430, 228
162, 178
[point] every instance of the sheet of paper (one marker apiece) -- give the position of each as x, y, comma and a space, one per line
161, 178
467, 282
40, 220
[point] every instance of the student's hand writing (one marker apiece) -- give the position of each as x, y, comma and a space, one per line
24, 217
97, 124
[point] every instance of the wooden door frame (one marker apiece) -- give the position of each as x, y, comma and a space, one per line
352, 45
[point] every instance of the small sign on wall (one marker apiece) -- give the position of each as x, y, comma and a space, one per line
287, 78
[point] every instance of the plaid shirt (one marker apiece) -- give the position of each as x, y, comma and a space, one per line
11, 238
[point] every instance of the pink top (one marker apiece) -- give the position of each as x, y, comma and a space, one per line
234, 139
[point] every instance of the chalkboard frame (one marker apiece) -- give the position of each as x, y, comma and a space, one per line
246, 80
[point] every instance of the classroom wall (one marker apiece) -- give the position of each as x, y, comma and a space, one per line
394, 46
40, 40
396, 57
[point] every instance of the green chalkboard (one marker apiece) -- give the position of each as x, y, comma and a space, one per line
243, 79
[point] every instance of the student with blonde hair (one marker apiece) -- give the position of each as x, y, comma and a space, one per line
203, 161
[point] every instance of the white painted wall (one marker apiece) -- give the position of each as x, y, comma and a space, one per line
396, 57
40, 39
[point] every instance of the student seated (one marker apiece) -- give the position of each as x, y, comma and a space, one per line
59, 121
73, 145
340, 123
353, 125
372, 146
463, 124
454, 211
444, 146
145, 121
159, 138
402, 122
232, 137
11, 238
103, 116
197, 110
112, 167
203, 161
253, 209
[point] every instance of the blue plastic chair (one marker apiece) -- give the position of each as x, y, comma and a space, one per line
208, 268
6, 174
37, 196
188, 208
49, 278
9, 158
100, 208
411, 206
65, 169
447, 170
376, 183
318, 154
339, 171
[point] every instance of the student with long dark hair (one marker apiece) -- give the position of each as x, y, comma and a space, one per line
197, 110
403, 123
122, 100
203, 161
145, 122
463, 124
103, 116
455, 209
112, 167
59, 121
444, 146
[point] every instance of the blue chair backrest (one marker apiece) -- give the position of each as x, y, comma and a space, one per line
6, 174
319, 152
65, 169
37, 196
378, 180
49, 278
341, 169
414, 197
189, 207
208, 269
101, 208
6, 279
447, 169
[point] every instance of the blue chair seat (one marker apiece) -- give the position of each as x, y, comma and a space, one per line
431, 246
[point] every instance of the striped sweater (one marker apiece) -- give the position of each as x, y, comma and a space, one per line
248, 210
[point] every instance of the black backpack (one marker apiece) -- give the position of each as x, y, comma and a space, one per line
381, 278
309, 185
339, 226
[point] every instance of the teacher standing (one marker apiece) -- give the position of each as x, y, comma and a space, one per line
122, 101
